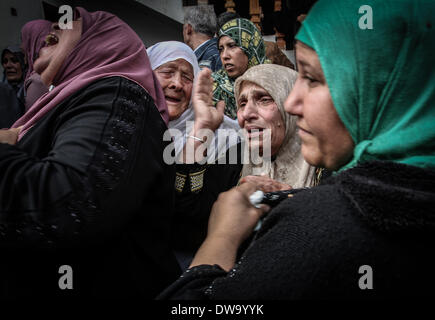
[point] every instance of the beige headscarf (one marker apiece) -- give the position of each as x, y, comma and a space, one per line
289, 165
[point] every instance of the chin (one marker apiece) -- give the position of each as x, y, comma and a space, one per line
312, 157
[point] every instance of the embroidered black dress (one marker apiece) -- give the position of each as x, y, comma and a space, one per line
196, 189
87, 187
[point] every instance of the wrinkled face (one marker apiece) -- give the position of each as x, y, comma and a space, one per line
325, 140
176, 79
257, 112
58, 43
234, 60
12, 67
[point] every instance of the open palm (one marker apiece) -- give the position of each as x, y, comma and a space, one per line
206, 115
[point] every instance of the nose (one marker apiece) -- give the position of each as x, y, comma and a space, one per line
9, 64
176, 83
294, 102
224, 54
250, 111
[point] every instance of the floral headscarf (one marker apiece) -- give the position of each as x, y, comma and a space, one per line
248, 38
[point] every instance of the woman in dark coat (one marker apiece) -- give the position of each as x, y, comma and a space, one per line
85, 185
368, 231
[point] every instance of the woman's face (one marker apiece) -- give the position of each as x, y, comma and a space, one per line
325, 140
258, 111
12, 67
58, 44
234, 60
176, 79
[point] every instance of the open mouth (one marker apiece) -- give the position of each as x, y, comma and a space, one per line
51, 40
172, 99
253, 132
228, 66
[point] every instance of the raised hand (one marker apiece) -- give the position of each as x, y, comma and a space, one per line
206, 115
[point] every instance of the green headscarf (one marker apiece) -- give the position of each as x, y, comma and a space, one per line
248, 38
382, 80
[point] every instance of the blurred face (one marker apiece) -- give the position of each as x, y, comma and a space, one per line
12, 67
176, 79
58, 44
234, 60
258, 111
325, 140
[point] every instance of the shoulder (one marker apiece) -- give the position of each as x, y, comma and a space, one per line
109, 93
314, 208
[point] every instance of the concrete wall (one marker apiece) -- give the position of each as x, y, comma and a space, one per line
170, 8
10, 26
150, 25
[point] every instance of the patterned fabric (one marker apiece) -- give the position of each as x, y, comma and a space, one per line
248, 38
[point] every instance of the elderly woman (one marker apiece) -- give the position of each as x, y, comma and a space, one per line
176, 67
261, 109
241, 47
85, 188
368, 231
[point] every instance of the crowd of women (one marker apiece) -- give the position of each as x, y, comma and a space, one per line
351, 137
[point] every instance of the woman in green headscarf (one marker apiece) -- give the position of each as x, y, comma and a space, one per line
366, 112
241, 47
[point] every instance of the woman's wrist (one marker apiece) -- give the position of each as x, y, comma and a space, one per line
216, 250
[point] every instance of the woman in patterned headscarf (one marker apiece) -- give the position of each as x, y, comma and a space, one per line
241, 47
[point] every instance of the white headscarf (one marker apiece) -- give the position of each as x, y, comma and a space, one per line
289, 165
163, 52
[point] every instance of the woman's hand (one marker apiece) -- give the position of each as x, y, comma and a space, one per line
10, 136
206, 115
233, 216
265, 184
232, 220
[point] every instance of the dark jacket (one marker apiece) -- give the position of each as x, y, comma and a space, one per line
11, 108
87, 187
208, 55
319, 243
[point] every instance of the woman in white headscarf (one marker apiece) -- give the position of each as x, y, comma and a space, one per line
176, 68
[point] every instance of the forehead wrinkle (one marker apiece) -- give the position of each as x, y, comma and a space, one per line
250, 89
184, 68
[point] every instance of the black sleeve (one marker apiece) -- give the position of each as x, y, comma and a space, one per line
103, 154
193, 283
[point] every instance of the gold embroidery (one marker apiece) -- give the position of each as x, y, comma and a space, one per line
180, 181
196, 180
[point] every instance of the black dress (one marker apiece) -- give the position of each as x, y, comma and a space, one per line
87, 187
197, 187
323, 242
